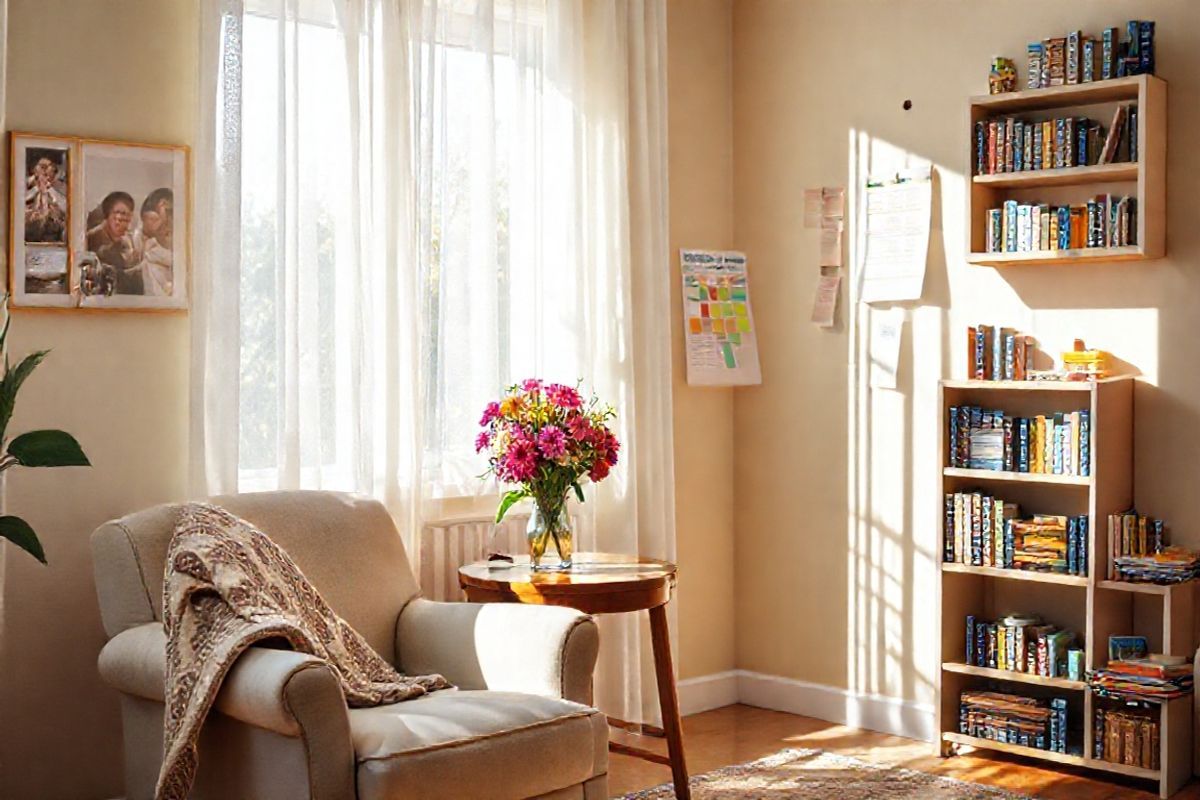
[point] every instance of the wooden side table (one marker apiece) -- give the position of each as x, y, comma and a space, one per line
601, 583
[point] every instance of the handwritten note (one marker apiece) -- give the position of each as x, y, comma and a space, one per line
897, 239
825, 303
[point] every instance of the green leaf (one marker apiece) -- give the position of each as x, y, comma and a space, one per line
17, 531
579, 491
11, 384
47, 449
506, 502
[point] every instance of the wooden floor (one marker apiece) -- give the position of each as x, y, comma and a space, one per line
736, 734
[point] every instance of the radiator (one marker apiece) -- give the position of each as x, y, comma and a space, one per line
446, 545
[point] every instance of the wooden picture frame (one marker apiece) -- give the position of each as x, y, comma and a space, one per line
42, 179
128, 216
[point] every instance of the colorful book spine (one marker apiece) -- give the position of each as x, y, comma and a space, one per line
1023, 445
970, 654
1033, 55
1072, 546
1109, 41
1085, 443
1009, 544
1074, 56
1017, 145
980, 148
1089, 60
1084, 546
1009, 454
1082, 127
986, 540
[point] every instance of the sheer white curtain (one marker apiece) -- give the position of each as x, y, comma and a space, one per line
436, 199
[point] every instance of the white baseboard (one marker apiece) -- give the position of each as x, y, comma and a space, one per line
707, 692
841, 706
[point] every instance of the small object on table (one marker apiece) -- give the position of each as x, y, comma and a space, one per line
602, 583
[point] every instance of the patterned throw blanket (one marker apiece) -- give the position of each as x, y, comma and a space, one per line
226, 587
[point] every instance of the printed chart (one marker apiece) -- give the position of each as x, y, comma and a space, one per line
719, 325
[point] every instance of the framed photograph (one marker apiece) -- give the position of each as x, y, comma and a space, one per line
130, 235
40, 220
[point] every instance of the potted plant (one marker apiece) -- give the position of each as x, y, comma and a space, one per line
45, 448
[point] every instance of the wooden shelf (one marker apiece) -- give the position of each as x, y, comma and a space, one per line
1123, 769
1016, 574
1081, 94
1018, 677
1065, 176
1081, 255
1016, 749
1146, 179
1142, 588
1033, 386
1016, 477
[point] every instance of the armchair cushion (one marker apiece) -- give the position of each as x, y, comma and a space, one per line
510, 647
478, 744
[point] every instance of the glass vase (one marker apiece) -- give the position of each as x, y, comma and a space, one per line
550, 538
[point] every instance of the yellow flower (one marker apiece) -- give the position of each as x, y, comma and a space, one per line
510, 406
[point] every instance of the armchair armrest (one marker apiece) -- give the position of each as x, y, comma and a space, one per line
279, 690
544, 650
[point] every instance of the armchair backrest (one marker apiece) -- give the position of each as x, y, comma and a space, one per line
346, 545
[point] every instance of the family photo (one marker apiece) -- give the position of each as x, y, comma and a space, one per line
46, 195
129, 223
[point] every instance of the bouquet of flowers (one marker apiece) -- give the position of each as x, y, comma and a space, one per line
547, 439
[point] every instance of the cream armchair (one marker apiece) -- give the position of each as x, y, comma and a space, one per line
519, 724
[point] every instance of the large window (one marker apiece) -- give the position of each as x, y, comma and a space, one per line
486, 213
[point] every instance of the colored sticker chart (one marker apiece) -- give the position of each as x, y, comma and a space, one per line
718, 323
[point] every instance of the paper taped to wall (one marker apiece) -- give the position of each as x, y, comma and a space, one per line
897, 237
719, 333
887, 331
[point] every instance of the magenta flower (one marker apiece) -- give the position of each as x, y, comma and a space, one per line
531, 385
552, 442
563, 396
490, 412
520, 463
483, 441
599, 471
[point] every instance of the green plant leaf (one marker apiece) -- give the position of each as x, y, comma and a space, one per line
11, 384
579, 492
17, 531
47, 449
506, 502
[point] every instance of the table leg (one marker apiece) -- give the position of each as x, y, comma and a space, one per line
668, 700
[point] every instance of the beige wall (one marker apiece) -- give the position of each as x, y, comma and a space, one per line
701, 173
837, 500
125, 70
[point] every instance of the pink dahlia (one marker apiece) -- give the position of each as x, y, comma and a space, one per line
483, 441
563, 396
531, 385
580, 427
552, 441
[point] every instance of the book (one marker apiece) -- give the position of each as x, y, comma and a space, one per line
1115, 132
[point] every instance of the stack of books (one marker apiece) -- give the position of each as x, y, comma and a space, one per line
1012, 144
1021, 643
1025, 721
1172, 564
1143, 679
1105, 221
998, 354
1049, 543
1079, 58
1127, 736
1050, 444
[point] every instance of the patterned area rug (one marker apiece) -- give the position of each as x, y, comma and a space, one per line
818, 775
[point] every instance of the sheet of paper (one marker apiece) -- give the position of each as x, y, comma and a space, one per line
833, 201
831, 242
813, 203
825, 302
719, 330
887, 329
897, 239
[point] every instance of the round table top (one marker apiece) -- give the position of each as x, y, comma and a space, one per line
597, 583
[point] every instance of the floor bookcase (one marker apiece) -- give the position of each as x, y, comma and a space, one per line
1092, 606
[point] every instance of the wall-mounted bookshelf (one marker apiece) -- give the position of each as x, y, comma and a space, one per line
1145, 179
1090, 605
